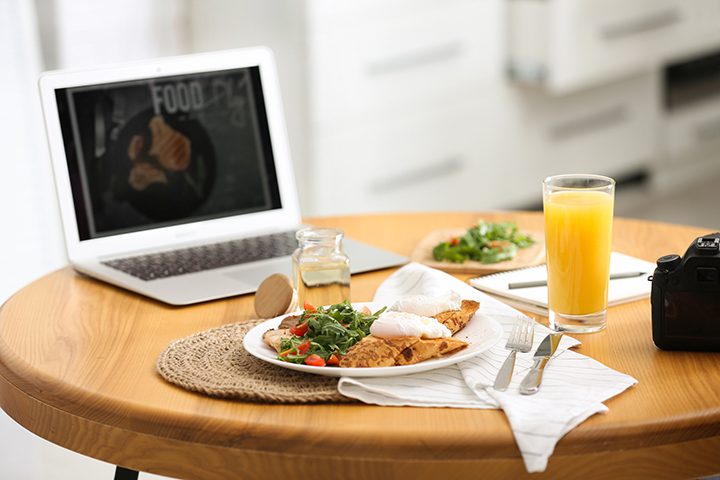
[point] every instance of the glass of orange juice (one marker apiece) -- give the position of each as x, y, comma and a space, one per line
578, 240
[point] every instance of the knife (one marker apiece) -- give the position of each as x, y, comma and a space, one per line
546, 349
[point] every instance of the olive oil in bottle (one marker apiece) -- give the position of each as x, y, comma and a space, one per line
321, 269
323, 283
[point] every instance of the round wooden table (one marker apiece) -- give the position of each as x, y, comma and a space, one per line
77, 367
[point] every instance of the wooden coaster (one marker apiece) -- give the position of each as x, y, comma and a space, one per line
275, 296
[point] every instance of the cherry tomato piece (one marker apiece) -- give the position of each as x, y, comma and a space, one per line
300, 329
333, 360
315, 361
303, 347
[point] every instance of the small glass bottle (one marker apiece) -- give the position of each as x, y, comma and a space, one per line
321, 269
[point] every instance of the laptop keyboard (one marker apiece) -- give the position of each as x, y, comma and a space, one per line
206, 257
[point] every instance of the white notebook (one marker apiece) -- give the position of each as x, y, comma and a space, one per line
535, 299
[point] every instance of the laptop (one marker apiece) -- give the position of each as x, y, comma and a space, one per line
174, 176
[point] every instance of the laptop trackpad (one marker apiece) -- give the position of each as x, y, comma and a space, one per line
363, 258
254, 274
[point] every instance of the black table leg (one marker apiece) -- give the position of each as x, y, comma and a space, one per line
125, 474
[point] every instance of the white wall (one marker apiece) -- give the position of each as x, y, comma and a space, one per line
76, 33
31, 240
280, 25
89, 32
30, 237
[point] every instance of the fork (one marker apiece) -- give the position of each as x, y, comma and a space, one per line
520, 340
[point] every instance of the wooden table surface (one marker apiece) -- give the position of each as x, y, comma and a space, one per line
77, 367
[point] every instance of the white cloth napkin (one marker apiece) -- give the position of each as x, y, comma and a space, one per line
573, 389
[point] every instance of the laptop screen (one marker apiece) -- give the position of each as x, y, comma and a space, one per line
164, 151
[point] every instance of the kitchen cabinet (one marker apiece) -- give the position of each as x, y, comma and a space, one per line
489, 150
416, 55
411, 110
690, 132
567, 45
408, 104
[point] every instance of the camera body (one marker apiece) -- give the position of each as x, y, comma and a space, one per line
685, 298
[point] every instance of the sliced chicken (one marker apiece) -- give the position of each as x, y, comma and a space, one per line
273, 338
171, 147
142, 175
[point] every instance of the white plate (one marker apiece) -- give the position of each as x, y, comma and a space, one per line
481, 332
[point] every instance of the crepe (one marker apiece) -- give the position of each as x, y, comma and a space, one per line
376, 351
425, 349
455, 320
373, 351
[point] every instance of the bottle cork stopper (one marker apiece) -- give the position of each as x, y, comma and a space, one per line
275, 296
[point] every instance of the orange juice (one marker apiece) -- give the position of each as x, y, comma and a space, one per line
578, 236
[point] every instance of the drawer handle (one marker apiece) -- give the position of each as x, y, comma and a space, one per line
588, 124
532, 73
419, 58
708, 131
655, 21
421, 174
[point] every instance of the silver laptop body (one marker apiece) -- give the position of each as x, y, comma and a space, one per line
174, 176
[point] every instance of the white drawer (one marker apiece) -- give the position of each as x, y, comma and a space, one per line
706, 16
704, 34
337, 15
589, 42
610, 130
595, 40
399, 61
492, 152
691, 129
398, 165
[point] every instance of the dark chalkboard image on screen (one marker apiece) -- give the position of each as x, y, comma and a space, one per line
165, 151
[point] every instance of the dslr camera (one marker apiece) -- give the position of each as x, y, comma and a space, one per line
685, 298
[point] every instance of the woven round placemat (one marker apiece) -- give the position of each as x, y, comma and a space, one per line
215, 363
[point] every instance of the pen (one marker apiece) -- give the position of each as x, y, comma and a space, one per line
543, 283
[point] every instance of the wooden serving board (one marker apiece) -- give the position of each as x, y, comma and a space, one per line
526, 257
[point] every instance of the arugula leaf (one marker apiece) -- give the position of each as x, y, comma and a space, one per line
331, 330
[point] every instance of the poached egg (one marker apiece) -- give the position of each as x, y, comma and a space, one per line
428, 306
404, 324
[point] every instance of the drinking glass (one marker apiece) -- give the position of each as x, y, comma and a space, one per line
578, 237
